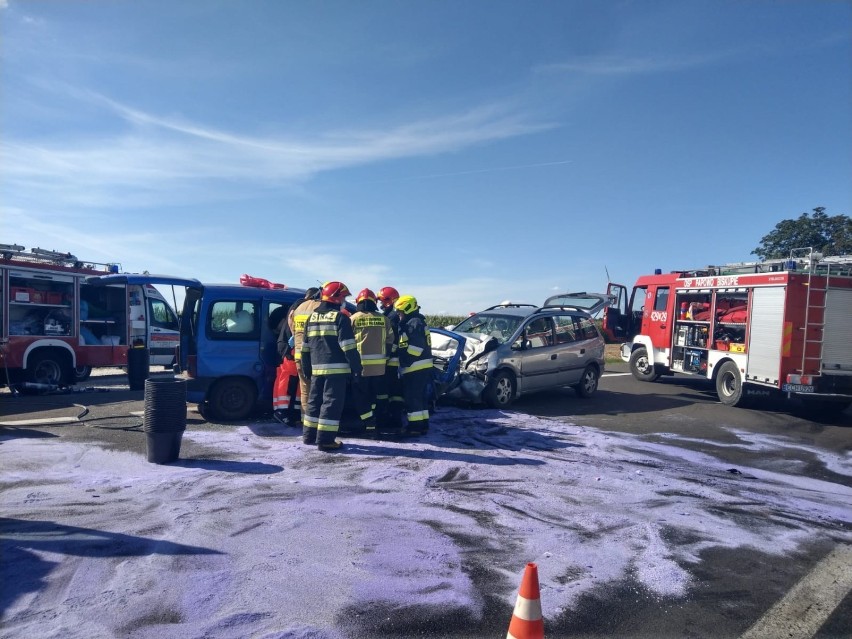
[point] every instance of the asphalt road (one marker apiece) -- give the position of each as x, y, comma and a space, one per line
738, 587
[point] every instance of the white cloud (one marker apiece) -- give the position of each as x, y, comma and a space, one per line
156, 156
632, 65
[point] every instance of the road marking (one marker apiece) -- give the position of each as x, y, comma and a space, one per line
803, 610
615, 374
40, 422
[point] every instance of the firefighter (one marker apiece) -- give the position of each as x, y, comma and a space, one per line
387, 296
329, 358
286, 395
374, 339
415, 364
299, 314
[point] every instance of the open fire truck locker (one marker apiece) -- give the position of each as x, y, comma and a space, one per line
54, 326
775, 328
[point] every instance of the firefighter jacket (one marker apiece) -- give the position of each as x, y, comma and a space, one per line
296, 322
393, 318
374, 338
415, 344
329, 345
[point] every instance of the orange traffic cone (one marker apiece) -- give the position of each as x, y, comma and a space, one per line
526, 619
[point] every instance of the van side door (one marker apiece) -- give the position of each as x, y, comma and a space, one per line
538, 355
274, 313
231, 344
573, 345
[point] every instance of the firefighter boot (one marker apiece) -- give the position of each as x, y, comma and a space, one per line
327, 442
309, 435
416, 428
370, 428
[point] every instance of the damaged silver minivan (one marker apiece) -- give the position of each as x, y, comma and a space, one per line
510, 350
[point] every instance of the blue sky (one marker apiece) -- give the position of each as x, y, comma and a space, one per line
464, 152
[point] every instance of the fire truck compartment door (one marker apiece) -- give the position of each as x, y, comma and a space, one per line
837, 343
765, 334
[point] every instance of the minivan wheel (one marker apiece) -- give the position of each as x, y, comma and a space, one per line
500, 392
588, 383
641, 366
231, 399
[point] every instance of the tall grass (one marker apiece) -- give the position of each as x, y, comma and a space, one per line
440, 321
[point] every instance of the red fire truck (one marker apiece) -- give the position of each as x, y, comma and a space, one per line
756, 329
54, 326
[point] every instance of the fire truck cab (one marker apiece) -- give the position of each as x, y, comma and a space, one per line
756, 329
54, 327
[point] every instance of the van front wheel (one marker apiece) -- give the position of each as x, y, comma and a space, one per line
231, 399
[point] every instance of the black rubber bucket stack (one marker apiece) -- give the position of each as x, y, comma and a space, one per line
138, 367
165, 418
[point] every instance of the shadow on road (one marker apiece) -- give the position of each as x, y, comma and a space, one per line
23, 571
11, 432
558, 402
228, 466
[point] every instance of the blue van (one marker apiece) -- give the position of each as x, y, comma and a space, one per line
228, 352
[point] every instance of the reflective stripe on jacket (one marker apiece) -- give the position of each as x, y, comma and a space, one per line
329, 346
296, 321
374, 338
415, 344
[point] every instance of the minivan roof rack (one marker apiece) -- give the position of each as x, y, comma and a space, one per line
507, 305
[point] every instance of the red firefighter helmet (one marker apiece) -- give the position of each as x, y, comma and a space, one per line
387, 296
365, 294
335, 292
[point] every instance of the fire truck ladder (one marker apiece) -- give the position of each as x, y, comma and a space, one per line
816, 302
52, 258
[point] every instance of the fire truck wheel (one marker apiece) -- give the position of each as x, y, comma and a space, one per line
232, 399
641, 367
46, 368
729, 384
588, 383
500, 392
82, 372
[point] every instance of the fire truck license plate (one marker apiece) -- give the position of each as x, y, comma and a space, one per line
797, 388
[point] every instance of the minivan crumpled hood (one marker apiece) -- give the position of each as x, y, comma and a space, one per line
453, 353
446, 344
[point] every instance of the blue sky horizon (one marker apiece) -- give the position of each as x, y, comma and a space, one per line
465, 153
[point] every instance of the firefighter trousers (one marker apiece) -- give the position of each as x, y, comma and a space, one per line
415, 386
396, 402
371, 400
321, 417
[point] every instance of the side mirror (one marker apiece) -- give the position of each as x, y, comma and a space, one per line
449, 327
